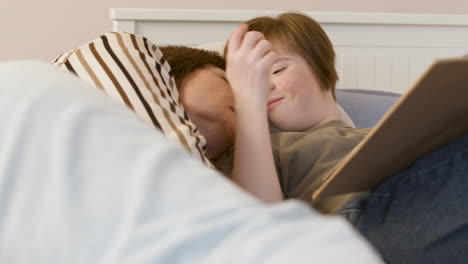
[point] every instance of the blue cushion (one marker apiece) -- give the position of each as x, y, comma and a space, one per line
365, 107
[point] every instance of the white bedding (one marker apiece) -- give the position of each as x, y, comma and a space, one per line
82, 180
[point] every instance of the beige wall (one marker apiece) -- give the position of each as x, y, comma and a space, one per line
43, 29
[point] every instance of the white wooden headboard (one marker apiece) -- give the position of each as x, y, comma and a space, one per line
374, 51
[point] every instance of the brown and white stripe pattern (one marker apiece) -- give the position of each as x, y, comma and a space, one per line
131, 69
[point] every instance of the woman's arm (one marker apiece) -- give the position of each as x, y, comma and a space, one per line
249, 60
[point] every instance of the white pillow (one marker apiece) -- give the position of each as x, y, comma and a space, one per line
219, 47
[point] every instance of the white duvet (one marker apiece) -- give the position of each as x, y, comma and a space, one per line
83, 180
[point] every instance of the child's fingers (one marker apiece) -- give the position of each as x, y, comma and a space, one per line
268, 60
250, 40
236, 37
262, 48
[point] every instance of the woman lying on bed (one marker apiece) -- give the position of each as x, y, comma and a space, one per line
212, 110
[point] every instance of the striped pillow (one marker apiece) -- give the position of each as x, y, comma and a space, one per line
132, 70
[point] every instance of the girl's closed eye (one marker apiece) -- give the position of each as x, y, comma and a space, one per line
279, 70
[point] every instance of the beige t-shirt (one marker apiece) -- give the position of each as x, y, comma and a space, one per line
303, 159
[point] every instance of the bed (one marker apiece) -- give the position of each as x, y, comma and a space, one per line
82, 187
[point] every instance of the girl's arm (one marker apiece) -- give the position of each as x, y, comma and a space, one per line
249, 60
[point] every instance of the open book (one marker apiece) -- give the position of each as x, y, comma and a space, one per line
432, 113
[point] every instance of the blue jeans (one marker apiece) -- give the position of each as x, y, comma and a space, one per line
419, 215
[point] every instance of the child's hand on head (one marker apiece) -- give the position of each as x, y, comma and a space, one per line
249, 59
